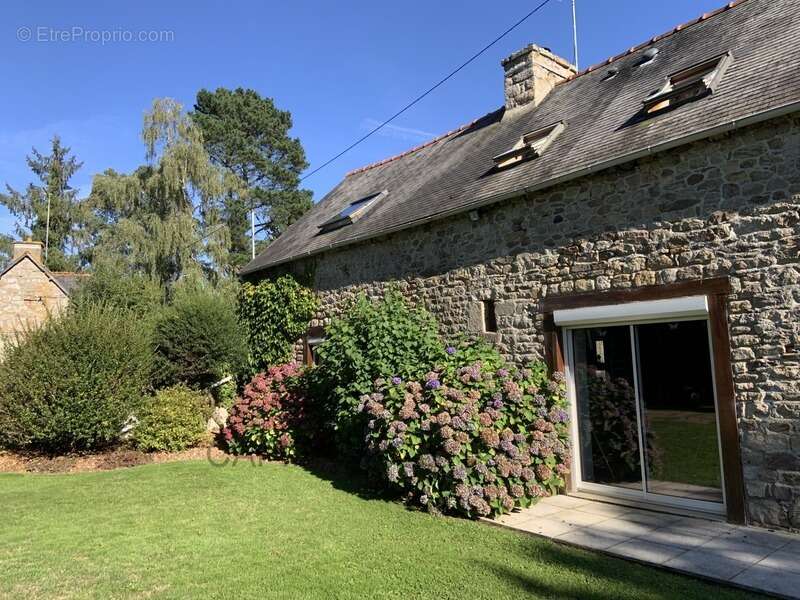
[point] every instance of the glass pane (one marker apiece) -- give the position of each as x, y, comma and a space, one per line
606, 402
677, 392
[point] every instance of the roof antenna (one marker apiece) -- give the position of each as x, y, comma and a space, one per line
575, 35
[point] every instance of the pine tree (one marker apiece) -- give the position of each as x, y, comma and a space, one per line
50, 212
248, 136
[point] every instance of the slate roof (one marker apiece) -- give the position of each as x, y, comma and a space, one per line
69, 280
452, 174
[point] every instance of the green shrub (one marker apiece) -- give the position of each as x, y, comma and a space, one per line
476, 438
172, 420
198, 340
73, 383
371, 340
114, 287
275, 314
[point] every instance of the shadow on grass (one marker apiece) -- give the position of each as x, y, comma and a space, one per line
347, 478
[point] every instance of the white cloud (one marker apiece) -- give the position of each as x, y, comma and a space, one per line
397, 132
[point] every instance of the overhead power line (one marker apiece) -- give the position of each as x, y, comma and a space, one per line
416, 100
376, 129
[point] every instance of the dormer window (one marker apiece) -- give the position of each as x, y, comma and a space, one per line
531, 145
352, 212
688, 84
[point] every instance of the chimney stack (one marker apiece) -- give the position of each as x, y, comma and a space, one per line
531, 73
34, 249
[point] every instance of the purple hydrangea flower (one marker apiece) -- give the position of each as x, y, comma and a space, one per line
396, 380
433, 384
502, 372
498, 404
459, 472
450, 350
397, 442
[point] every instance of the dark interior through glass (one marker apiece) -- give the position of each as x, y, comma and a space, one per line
676, 418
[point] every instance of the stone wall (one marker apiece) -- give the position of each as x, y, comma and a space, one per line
729, 206
27, 298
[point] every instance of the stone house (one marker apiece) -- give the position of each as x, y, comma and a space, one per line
637, 225
29, 292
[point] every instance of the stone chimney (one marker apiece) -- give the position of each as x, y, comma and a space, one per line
34, 249
531, 73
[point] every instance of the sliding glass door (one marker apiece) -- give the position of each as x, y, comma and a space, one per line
645, 412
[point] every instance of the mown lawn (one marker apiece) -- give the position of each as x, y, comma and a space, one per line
192, 530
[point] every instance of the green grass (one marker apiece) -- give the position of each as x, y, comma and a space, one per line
192, 530
690, 451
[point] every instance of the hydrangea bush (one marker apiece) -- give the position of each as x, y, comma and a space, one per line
270, 417
474, 436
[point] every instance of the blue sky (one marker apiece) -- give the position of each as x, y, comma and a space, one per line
339, 67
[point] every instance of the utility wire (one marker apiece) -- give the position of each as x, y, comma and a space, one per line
416, 100
375, 130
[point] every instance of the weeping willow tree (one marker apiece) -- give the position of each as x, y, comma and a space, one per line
164, 219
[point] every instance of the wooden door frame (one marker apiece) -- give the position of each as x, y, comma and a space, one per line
717, 291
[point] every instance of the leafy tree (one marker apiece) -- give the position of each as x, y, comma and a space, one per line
164, 219
248, 136
5, 249
53, 202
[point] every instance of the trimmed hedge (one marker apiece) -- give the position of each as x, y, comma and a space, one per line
72, 384
198, 341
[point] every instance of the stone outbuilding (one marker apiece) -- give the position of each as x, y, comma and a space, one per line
636, 225
29, 292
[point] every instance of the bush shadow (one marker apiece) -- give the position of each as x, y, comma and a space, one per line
346, 477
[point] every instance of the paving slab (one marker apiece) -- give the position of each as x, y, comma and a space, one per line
647, 551
592, 538
702, 562
784, 561
675, 537
726, 547
757, 559
578, 518
770, 580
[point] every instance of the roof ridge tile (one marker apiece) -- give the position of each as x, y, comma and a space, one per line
589, 69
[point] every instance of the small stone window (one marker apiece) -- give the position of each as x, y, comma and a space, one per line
489, 316
531, 145
352, 212
688, 84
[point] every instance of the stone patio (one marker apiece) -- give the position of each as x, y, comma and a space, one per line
756, 559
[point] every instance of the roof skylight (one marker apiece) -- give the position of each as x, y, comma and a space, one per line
352, 212
688, 84
531, 145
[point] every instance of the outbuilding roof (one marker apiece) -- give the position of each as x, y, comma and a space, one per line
602, 113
